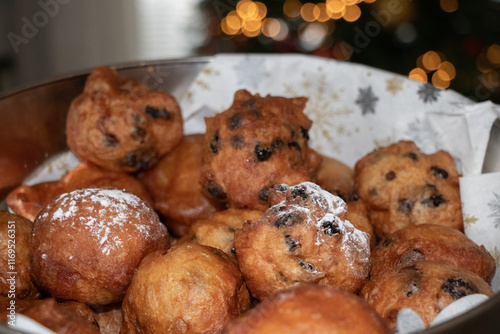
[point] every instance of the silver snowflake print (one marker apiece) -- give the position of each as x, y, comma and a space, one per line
420, 132
251, 71
366, 100
428, 93
494, 206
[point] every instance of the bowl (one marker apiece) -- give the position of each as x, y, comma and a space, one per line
32, 131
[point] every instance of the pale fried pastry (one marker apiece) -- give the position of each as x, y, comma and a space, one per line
302, 238
310, 309
120, 125
87, 244
190, 289
402, 186
218, 230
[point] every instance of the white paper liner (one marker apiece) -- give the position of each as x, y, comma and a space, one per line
355, 109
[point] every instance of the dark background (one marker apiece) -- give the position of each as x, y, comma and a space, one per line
460, 39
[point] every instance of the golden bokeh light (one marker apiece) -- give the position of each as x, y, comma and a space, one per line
247, 10
418, 74
449, 6
233, 21
283, 33
271, 27
352, 13
251, 26
335, 7
227, 29
493, 54
369, 1
351, 2
309, 12
439, 82
323, 13
431, 60
482, 63
446, 71
291, 8
261, 10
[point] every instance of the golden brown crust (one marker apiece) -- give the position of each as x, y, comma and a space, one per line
174, 185
87, 244
426, 287
435, 243
402, 186
258, 143
120, 125
218, 230
303, 238
336, 178
15, 239
65, 318
191, 289
357, 215
27, 201
310, 309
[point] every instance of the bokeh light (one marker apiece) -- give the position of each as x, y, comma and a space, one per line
431, 60
493, 54
352, 13
291, 8
418, 74
309, 12
449, 6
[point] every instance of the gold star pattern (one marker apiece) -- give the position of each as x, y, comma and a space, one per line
469, 220
210, 71
202, 84
394, 85
322, 113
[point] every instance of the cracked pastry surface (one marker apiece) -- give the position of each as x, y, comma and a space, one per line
256, 144
302, 238
191, 289
426, 287
120, 125
87, 244
402, 186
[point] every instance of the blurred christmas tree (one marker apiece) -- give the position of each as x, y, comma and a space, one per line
449, 43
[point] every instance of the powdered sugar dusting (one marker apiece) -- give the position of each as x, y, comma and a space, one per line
322, 208
105, 214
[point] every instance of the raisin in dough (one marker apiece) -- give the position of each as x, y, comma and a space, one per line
302, 238
258, 143
120, 125
402, 186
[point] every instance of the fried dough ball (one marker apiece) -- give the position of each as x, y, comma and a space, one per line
63, 318
218, 230
302, 238
175, 187
402, 186
357, 215
310, 309
258, 143
109, 318
120, 125
190, 289
426, 287
27, 201
336, 178
15, 239
432, 242
87, 244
